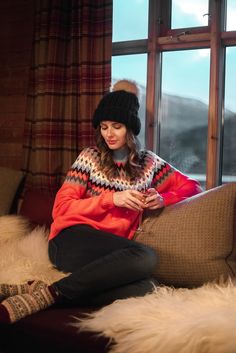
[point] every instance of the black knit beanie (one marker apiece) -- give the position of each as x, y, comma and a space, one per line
121, 106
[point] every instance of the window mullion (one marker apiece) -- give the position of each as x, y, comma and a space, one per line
214, 149
156, 21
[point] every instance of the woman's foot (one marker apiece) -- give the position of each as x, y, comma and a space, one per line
19, 306
9, 290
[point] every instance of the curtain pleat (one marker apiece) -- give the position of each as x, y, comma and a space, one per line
70, 72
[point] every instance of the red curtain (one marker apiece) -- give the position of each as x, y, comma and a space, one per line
71, 70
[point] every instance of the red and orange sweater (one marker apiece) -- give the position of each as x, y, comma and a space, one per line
86, 196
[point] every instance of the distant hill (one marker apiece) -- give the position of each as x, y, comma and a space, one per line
188, 150
184, 135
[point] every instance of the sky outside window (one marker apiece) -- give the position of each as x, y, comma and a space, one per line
231, 15
130, 20
189, 13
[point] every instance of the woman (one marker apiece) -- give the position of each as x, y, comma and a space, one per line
97, 212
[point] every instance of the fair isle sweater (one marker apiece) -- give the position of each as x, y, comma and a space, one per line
86, 196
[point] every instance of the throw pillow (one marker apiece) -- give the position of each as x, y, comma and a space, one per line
195, 238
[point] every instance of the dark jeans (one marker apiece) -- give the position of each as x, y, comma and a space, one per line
103, 266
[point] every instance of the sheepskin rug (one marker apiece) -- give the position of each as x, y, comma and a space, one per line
24, 252
201, 320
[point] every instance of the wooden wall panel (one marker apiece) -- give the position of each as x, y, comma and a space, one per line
16, 33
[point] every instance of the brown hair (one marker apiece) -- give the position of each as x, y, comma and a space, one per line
132, 166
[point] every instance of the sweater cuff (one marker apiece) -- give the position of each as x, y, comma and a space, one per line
170, 198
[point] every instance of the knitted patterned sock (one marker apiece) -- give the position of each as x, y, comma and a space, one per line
8, 290
19, 306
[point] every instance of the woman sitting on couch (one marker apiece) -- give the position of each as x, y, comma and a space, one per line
97, 212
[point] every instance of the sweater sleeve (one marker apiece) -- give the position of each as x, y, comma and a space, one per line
69, 200
72, 200
173, 185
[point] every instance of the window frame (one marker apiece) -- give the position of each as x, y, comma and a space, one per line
162, 38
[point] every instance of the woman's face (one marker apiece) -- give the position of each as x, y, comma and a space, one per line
114, 134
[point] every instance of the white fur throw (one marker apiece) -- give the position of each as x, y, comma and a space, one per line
201, 320
24, 253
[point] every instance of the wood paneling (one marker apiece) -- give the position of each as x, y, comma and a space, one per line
16, 33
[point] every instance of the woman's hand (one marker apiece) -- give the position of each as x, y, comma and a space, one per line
153, 200
131, 199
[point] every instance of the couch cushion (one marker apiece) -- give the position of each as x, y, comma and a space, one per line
195, 238
10, 180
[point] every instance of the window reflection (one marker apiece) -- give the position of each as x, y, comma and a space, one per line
133, 67
130, 20
229, 145
183, 110
189, 13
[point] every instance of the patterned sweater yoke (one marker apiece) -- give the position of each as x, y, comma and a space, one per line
86, 169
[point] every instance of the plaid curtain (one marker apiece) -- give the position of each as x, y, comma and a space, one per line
70, 71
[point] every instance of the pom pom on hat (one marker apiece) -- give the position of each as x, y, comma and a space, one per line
126, 85
121, 105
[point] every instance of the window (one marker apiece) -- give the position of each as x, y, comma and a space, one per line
229, 156
231, 15
130, 20
182, 53
184, 110
135, 68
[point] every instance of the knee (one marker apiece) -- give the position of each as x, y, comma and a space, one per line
148, 259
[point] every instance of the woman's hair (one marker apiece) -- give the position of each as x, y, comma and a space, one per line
132, 166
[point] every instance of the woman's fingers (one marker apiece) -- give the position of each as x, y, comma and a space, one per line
154, 200
137, 201
131, 199
134, 200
